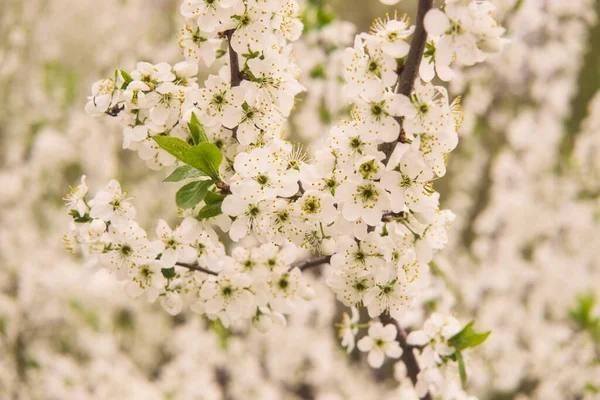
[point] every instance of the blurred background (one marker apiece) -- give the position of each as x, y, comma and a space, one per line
522, 261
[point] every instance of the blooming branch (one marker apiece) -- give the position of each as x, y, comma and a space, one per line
408, 355
409, 70
364, 203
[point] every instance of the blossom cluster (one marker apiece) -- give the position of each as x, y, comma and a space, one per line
364, 202
256, 283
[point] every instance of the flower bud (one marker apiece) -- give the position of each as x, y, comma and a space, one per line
97, 227
263, 323
308, 293
328, 246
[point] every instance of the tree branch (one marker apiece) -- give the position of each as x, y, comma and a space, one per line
234, 67
408, 356
410, 70
309, 263
234, 62
196, 267
312, 262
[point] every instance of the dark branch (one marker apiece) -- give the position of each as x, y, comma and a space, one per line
410, 70
234, 67
234, 62
196, 267
408, 356
389, 216
312, 262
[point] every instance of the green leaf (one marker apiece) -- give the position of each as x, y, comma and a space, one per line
191, 194
467, 338
461, 368
213, 206
80, 219
169, 273
582, 315
223, 333
214, 197
184, 172
590, 387
206, 157
209, 211
197, 130
173, 146
128, 79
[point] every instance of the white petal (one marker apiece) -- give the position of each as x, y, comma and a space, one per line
365, 344
376, 359
417, 338
436, 22
394, 350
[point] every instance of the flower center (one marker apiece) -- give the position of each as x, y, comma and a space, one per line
262, 179
283, 283
360, 286
253, 211
126, 250
367, 193
312, 206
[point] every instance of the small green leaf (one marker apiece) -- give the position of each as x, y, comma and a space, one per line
467, 338
80, 219
222, 332
461, 368
191, 194
590, 387
206, 157
582, 315
212, 208
128, 79
184, 172
214, 197
221, 53
173, 146
197, 130
209, 211
169, 273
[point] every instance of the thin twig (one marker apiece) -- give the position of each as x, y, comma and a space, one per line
312, 262
389, 216
410, 70
196, 267
234, 66
408, 356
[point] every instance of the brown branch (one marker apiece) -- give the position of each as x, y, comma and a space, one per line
234, 62
408, 356
312, 262
410, 70
389, 216
196, 267
304, 265
234, 67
